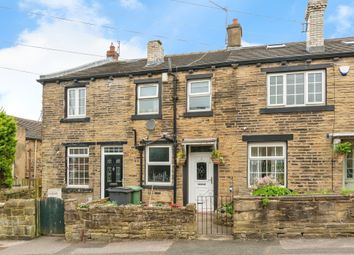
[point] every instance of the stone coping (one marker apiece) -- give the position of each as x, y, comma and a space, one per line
299, 197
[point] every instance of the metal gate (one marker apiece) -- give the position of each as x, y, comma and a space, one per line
51, 216
214, 216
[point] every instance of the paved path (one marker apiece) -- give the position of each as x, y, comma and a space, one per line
58, 246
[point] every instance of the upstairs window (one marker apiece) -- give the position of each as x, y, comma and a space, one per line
199, 96
76, 102
296, 89
148, 99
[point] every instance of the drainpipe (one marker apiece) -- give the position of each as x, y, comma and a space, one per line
35, 158
140, 149
174, 99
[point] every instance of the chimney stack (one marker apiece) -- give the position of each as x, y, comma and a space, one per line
234, 34
315, 20
112, 53
155, 53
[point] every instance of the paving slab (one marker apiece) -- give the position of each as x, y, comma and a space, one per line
126, 247
39, 246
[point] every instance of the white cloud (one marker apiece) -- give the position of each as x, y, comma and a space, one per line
131, 4
248, 44
343, 19
20, 93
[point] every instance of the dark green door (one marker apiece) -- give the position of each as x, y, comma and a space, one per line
52, 216
113, 171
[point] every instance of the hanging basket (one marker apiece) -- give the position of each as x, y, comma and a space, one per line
340, 158
181, 161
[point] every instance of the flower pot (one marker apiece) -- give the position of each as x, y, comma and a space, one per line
181, 161
216, 161
340, 158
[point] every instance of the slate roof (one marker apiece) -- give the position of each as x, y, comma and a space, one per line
244, 55
33, 128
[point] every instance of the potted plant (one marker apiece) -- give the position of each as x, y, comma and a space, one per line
342, 149
181, 158
217, 157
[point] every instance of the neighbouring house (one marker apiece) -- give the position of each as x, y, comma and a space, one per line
269, 110
28, 163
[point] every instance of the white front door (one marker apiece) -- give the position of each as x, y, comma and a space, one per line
201, 183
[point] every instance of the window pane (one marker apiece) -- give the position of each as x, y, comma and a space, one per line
276, 90
148, 91
199, 103
159, 154
78, 171
201, 171
270, 151
349, 173
315, 88
262, 151
148, 105
71, 102
295, 89
82, 101
279, 151
199, 87
159, 173
254, 151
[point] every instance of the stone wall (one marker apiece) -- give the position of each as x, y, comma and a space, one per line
17, 193
104, 222
18, 219
294, 216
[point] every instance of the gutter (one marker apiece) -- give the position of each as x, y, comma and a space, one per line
204, 66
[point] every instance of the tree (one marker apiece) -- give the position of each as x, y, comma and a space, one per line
7, 148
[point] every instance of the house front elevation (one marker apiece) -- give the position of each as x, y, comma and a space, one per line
271, 110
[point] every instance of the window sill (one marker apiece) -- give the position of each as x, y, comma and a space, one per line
74, 120
146, 117
198, 114
312, 108
77, 190
158, 187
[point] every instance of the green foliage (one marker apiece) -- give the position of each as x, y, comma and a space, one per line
272, 191
227, 208
216, 155
265, 201
346, 192
343, 148
83, 205
181, 154
7, 149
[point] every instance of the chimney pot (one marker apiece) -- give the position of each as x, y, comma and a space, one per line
234, 34
112, 53
155, 53
314, 17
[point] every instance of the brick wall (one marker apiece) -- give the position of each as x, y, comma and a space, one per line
109, 223
18, 219
293, 217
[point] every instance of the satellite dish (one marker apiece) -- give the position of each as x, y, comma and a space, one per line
150, 125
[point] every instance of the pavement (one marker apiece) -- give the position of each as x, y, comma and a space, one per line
58, 246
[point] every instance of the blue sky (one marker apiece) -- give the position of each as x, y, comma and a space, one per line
202, 28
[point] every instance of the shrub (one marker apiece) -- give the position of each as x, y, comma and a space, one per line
343, 148
7, 148
272, 191
227, 208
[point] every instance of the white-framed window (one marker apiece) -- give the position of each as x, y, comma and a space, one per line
199, 96
148, 99
159, 165
349, 167
78, 167
76, 102
267, 159
296, 89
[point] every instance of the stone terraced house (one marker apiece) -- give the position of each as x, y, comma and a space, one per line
269, 110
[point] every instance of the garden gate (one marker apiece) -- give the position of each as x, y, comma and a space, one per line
51, 215
214, 216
